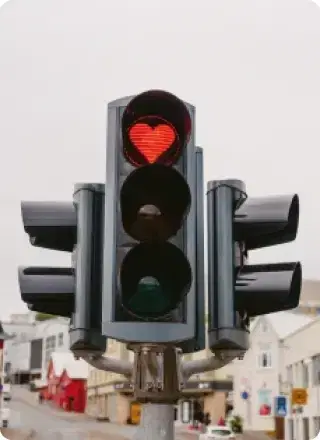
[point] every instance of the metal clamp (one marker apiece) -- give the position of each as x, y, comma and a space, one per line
157, 376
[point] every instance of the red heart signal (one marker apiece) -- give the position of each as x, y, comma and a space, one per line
152, 142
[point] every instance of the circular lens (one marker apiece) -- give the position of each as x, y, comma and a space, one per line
154, 280
154, 203
149, 297
156, 126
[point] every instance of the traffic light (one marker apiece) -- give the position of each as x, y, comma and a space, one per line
50, 225
150, 227
239, 291
73, 292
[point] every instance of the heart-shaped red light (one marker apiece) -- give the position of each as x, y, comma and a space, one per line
152, 142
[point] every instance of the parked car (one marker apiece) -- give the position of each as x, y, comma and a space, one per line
216, 432
6, 391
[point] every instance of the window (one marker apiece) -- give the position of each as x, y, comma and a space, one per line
60, 339
305, 375
50, 346
264, 359
316, 369
289, 375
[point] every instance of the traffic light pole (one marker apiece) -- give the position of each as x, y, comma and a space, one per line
156, 423
158, 377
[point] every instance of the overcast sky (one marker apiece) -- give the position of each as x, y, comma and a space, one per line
251, 68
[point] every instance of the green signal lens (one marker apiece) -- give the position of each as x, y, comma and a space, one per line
149, 298
154, 280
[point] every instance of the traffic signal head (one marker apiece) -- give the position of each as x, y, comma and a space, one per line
238, 291
50, 225
150, 200
73, 292
263, 222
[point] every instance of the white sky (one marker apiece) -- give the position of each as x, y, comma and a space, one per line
251, 67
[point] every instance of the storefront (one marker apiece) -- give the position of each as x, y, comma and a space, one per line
198, 396
204, 397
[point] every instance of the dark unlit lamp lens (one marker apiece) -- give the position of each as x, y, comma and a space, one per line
153, 280
149, 298
154, 203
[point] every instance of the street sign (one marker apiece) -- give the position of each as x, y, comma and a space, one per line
299, 396
245, 395
280, 406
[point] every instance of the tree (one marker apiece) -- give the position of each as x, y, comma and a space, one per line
43, 316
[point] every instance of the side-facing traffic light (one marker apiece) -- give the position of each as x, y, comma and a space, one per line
150, 234
238, 291
73, 292
50, 225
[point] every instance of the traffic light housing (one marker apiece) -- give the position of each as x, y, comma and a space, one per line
50, 225
239, 291
198, 342
150, 231
73, 292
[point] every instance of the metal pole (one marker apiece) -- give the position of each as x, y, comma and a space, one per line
1, 382
157, 422
106, 363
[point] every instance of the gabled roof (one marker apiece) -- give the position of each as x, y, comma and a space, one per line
284, 323
310, 292
65, 361
77, 369
60, 360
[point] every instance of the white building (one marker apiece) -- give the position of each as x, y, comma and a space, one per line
17, 349
258, 377
302, 370
54, 334
27, 355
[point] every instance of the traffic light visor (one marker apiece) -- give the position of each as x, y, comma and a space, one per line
154, 279
156, 127
267, 221
268, 288
154, 202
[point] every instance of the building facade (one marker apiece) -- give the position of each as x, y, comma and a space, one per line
54, 334
27, 354
301, 370
107, 397
66, 382
257, 377
17, 349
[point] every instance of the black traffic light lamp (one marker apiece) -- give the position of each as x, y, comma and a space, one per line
238, 291
73, 292
150, 198
154, 199
50, 225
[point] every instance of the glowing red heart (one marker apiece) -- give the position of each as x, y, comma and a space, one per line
152, 142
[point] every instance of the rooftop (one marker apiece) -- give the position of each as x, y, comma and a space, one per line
285, 323
65, 361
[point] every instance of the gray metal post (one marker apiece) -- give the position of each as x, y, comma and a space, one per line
157, 422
